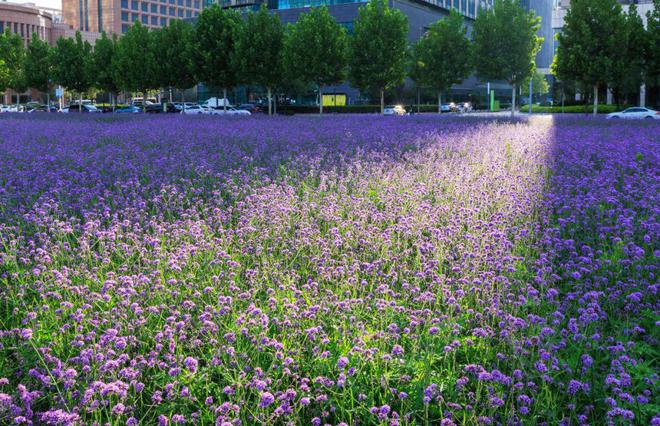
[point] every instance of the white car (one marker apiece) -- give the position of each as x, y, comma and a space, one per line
194, 110
635, 113
394, 110
75, 108
220, 110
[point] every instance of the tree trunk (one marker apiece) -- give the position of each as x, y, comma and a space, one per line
144, 102
270, 103
224, 101
595, 99
170, 95
183, 102
513, 101
48, 99
320, 100
275, 104
418, 100
439, 102
382, 101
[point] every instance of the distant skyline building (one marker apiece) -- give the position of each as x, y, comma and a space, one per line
116, 16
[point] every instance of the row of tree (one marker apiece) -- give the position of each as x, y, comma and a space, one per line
224, 49
601, 46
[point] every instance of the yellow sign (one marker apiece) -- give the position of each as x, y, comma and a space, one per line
334, 100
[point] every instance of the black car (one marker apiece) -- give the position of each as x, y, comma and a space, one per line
158, 108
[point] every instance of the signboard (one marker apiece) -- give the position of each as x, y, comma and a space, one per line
59, 92
334, 100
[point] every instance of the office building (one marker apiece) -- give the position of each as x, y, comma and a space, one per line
116, 16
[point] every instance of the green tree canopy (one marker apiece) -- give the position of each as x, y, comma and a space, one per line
587, 43
260, 45
377, 49
72, 64
215, 60
174, 55
628, 67
136, 60
12, 53
443, 57
38, 64
315, 50
539, 84
104, 64
652, 55
506, 44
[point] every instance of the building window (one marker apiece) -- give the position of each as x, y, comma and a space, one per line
188, 3
145, 7
2, 27
163, 10
196, 3
188, 13
134, 5
154, 8
145, 19
180, 2
172, 11
124, 4
135, 17
124, 28
180, 13
154, 20
172, 1
163, 21
124, 16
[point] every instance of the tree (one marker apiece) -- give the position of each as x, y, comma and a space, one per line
136, 61
539, 84
506, 44
443, 57
104, 65
215, 59
315, 50
38, 66
12, 53
377, 49
175, 56
72, 61
652, 55
260, 47
628, 68
587, 44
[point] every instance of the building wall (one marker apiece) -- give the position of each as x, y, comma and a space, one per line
116, 16
25, 20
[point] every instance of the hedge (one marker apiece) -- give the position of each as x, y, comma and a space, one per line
574, 109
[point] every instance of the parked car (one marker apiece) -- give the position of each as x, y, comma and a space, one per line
635, 113
158, 108
179, 105
394, 110
229, 111
252, 108
43, 108
194, 110
85, 108
131, 109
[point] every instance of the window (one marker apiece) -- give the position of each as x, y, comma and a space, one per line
154, 20
134, 4
188, 13
180, 2
154, 8
163, 10
188, 3
124, 28
196, 3
163, 21
145, 19
124, 4
124, 16
172, 11
180, 13
135, 17
145, 7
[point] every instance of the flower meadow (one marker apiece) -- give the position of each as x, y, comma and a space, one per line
340, 270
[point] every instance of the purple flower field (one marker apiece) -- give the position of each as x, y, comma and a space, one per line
344, 270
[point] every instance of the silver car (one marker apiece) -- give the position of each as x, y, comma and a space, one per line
635, 113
